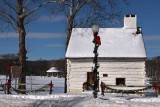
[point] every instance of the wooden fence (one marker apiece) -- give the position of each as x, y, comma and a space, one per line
8, 88
105, 88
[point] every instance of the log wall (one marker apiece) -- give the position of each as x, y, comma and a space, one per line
132, 70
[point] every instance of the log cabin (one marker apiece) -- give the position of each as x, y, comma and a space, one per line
122, 56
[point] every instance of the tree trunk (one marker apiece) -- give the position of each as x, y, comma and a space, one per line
70, 25
70, 20
69, 30
22, 49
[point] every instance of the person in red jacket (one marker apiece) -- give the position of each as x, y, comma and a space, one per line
155, 87
51, 86
8, 84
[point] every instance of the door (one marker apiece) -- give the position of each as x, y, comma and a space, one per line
90, 80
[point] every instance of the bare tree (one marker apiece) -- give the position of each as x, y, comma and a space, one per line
18, 13
84, 13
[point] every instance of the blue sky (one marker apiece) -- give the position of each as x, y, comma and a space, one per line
46, 37
149, 19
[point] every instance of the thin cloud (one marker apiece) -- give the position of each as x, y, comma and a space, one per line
45, 35
152, 38
153, 47
33, 35
55, 45
51, 18
8, 35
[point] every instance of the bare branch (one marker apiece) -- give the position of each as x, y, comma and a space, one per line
63, 9
13, 25
38, 7
7, 15
65, 3
26, 3
10, 6
6, 20
78, 7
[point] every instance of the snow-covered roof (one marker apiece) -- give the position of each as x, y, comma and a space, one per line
115, 42
53, 69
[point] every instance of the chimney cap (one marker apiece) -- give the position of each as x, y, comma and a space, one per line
130, 15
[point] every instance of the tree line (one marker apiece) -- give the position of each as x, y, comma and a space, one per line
38, 67
153, 69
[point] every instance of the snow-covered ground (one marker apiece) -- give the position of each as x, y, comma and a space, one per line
60, 99
77, 100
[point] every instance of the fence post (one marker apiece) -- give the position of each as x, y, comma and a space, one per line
50, 86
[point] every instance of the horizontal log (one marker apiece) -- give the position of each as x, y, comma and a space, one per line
127, 78
77, 79
77, 75
104, 59
107, 64
106, 67
79, 71
133, 75
74, 90
75, 85
135, 82
127, 71
85, 66
107, 70
127, 81
114, 83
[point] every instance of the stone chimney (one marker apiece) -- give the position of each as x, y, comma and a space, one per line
130, 21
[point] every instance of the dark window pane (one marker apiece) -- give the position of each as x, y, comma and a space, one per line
105, 75
120, 81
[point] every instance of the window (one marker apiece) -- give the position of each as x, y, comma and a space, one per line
120, 81
105, 75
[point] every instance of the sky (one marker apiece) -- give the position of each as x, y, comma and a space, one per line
148, 18
46, 36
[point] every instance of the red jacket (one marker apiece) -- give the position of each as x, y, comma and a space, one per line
155, 86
